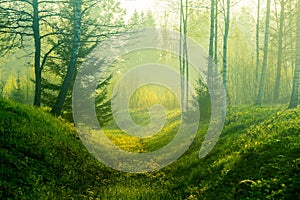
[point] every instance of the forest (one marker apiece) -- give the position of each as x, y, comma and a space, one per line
157, 99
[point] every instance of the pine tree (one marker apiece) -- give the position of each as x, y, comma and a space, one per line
92, 34
295, 91
17, 94
202, 97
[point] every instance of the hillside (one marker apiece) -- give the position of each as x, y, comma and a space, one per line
41, 157
257, 157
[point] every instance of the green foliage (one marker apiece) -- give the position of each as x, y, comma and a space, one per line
142, 20
257, 157
147, 95
91, 36
41, 157
202, 96
18, 95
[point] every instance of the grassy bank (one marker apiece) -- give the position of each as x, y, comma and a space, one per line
257, 157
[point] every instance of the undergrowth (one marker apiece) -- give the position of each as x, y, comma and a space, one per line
256, 157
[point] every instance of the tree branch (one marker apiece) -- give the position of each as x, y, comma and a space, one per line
48, 53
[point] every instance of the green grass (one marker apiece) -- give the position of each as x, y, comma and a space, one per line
147, 144
257, 157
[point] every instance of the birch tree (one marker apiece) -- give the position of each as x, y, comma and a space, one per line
279, 52
295, 91
257, 46
265, 58
183, 55
211, 42
226, 32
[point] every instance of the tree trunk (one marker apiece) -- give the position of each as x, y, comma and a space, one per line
265, 59
181, 57
216, 34
56, 110
37, 55
279, 54
257, 47
186, 56
211, 43
227, 21
294, 98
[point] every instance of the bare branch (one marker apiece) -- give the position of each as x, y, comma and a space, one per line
48, 53
21, 1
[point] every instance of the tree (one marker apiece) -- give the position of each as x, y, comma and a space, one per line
257, 45
202, 97
135, 20
279, 52
2, 83
183, 55
26, 19
294, 98
95, 28
265, 58
186, 54
71, 71
147, 19
37, 57
216, 32
143, 20
226, 32
17, 94
211, 42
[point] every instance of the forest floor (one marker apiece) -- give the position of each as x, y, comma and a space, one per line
256, 157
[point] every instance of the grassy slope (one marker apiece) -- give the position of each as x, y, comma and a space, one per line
257, 157
40, 156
